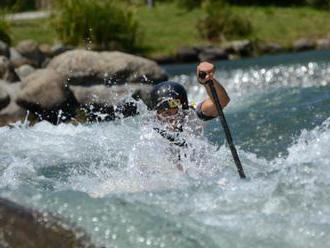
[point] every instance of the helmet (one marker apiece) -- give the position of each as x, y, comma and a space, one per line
168, 95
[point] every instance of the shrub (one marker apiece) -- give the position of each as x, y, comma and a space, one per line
321, 4
4, 29
221, 23
189, 4
18, 5
102, 22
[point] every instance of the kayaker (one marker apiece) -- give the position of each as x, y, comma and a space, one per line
169, 100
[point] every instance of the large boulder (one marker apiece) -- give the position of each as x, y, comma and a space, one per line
4, 97
4, 49
103, 102
30, 50
7, 70
83, 67
22, 227
46, 93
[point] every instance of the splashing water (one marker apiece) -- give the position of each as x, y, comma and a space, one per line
118, 181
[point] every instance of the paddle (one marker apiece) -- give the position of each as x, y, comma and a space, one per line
239, 167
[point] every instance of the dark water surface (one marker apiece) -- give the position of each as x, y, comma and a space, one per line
117, 181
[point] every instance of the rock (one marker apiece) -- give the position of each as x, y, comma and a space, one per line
24, 71
89, 68
271, 48
22, 227
323, 44
4, 49
7, 70
4, 97
30, 50
46, 49
58, 49
243, 48
127, 68
102, 102
187, 54
12, 112
164, 59
212, 54
17, 59
303, 45
14, 54
46, 93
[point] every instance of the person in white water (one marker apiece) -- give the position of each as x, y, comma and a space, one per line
169, 100
176, 118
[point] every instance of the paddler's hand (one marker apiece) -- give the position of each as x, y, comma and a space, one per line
205, 72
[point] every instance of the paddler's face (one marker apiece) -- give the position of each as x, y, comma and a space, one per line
171, 116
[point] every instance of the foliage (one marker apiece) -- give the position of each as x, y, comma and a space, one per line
190, 4
4, 28
103, 23
322, 4
18, 5
221, 22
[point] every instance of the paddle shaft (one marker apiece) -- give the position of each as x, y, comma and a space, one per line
226, 129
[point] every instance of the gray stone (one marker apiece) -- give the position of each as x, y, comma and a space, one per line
46, 49
105, 95
30, 50
243, 48
187, 54
22, 227
323, 44
304, 45
14, 54
17, 59
165, 59
271, 48
12, 112
58, 49
7, 70
46, 93
24, 71
83, 67
102, 102
212, 54
4, 49
4, 97
127, 68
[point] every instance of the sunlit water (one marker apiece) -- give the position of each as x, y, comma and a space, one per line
117, 180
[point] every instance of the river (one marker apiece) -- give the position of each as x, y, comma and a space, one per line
116, 181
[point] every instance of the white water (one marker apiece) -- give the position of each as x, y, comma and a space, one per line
117, 180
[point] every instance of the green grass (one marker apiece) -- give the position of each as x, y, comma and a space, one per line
38, 30
285, 25
166, 27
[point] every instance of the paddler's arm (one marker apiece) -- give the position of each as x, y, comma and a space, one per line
208, 107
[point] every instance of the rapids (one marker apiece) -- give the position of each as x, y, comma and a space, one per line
117, 181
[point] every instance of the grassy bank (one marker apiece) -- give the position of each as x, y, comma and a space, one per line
167, 27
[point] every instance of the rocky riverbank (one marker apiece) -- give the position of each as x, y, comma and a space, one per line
59, 83
241, 49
